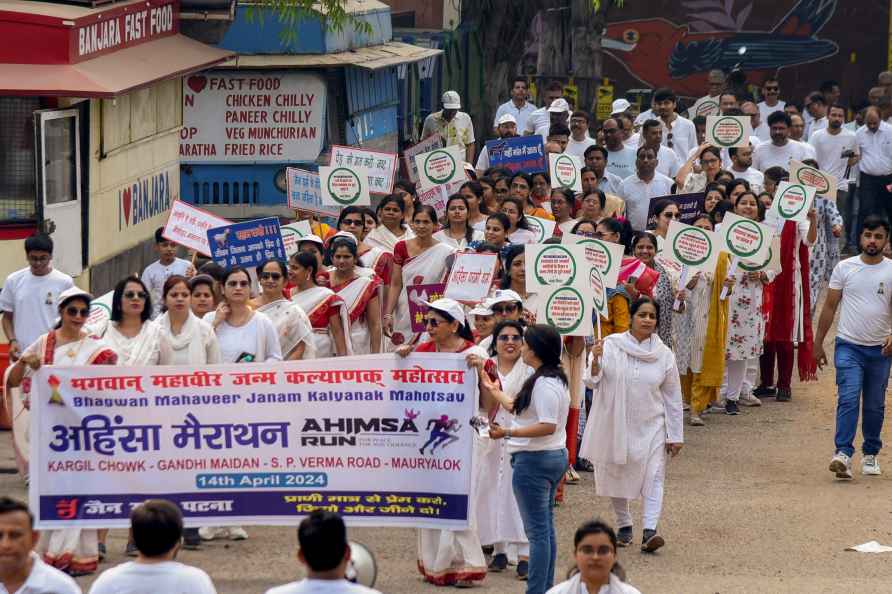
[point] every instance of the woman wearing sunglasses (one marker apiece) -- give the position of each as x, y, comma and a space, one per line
292, 325
498, 517
352, 220
594, 552
324, 308
72, 550
137, 339
665, 212
454, 557
360, 291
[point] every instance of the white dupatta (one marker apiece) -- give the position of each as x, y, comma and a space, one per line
323, 341
384, 238
574, 586
352, 293
146, 348
191, 337
426, 268
292, 327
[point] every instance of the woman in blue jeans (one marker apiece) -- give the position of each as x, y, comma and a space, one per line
536, 442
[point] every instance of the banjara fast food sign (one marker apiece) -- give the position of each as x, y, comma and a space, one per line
124, 26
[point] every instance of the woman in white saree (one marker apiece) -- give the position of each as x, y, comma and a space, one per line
324, 308
291, 322
391, 224
498, 517
361, 293
417, 261
137, 339
72, 550
635, 420
373, 258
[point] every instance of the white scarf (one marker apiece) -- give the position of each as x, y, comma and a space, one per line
190, 337
574, 586
138, 350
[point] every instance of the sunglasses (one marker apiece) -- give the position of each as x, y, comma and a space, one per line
135, 295
77, 312
271, 275
670, 215
499, 310
431, 323
510, 338
669, 140
243, 283
352, 222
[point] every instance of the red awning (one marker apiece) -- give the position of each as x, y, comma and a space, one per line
112, 74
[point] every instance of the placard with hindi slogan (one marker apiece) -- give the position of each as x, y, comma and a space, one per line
791, 201
824, 183
745, 238
728, 131
606, 256
551, 264
690, 246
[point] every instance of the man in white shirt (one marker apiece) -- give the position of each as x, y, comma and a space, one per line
579, 138
863, 347
709, 104
771, 103
325, 552
751, 109
454, 127
620, 158
836, 151
741, 167
781, 149
29, 298
638, 189
679, 134
156, 527
875, 146
21, 569
167, 265
596, 159
540, 119
518, 106
558, 113
506, 127
816, 106
797, 134
652, 137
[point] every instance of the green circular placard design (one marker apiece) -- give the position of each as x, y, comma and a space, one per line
557, 293
757, 267
445, 178
537, 227
598, 304
334, 195
603, 250
790, 214
739, 137
557, 163
814, 172
552, 249
751, 226
695, 231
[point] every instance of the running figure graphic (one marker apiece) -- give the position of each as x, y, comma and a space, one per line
442, 432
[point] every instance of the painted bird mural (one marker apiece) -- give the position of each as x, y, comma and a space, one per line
660, 53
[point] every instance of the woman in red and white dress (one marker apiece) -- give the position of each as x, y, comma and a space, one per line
361, 293
324, 308
391, 224
352, 220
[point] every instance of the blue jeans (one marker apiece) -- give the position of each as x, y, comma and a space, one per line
536, 478
861, 372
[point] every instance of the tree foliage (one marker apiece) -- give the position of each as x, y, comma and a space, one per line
331, 13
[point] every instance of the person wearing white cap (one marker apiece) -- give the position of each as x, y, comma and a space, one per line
506, 127
454, 557
558, 113
619, 106
517, 107
483, 321
72, 550
313, 245
540, 119
454, 127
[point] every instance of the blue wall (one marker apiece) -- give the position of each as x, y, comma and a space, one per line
373, 103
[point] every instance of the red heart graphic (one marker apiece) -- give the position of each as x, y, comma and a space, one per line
126, 202
197, 83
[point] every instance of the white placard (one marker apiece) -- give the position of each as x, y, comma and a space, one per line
254, 116
770, 263
690, 246
745, 238
425, 146
344, 186
606, 256
381, 166
188, 226
543, 228
441, 166
567, 308
565, 171
100, 314
549, 264
792, 201
823, 182
728, 131
292, 233
471, 277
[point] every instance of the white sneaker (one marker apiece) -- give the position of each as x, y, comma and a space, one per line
716, 408
747, 399
842, 466
237, 533
212, 532
696, 421
870, 466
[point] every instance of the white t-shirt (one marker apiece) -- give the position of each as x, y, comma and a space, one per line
44, 579
668, 162
684, 137
754, 176
765, 110
308, 586
621, 163
520, 115
768, 155
828, 148
170, 577
550, 403
237, 340
637, 194
865, 317
156, 274
33, 301
577, 147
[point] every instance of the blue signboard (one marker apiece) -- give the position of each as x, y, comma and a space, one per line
520, 153
246, 244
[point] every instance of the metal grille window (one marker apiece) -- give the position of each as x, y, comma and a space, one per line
18, 198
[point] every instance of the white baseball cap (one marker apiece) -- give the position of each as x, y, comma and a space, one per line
482, 309
451, 100
559, 106
504, 296
449, 306
506, 118
73, 292
311, 239
619, 106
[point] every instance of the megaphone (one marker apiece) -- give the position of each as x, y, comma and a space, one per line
362, 569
